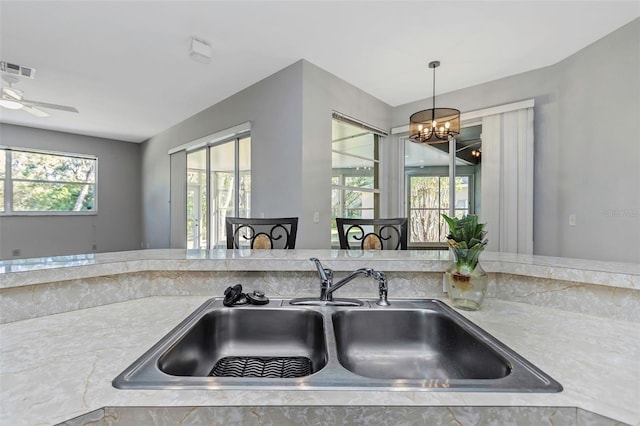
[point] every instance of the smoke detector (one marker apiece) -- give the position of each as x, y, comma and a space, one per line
16, 69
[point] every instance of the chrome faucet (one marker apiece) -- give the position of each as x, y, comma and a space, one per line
383, 289
328, 287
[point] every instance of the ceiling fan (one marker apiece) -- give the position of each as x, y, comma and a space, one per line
12, 99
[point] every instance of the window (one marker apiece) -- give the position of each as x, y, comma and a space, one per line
3, 168
354, 181
39, 182
428, 190
429, 200
197, 199
218, 185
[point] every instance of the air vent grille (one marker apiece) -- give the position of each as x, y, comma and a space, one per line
15, 69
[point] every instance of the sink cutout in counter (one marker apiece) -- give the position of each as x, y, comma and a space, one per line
421, 345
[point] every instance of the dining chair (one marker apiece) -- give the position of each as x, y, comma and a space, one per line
261, 233
372, 234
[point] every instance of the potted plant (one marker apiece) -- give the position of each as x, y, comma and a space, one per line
465, 280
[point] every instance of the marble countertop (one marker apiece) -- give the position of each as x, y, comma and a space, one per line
57, 367
23, 272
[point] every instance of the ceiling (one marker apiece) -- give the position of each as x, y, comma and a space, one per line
125, 65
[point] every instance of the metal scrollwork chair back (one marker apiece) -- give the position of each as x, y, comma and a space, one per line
261, 233
372, 234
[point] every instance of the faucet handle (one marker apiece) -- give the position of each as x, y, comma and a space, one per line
383, 289
379, 276
326, 274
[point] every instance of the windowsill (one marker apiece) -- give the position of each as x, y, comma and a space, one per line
40, 214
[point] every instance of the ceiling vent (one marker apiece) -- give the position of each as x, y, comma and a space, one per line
17, 70
200, 51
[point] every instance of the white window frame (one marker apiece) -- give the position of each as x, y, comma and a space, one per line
178, 192
452, 209
342, 187
8, 184
379, 136
212, 188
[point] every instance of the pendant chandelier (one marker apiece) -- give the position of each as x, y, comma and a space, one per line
435, 125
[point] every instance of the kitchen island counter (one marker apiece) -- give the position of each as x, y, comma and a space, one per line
57, 367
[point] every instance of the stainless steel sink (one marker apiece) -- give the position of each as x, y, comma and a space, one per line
410, 345
413, 344
225, 340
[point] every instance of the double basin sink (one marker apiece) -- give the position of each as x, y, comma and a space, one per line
412, 345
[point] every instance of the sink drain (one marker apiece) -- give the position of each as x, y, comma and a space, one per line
249, 366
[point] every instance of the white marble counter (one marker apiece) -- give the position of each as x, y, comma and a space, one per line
57, 367
32, 288
25, 272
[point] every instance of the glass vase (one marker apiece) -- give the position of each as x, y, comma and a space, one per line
466, 284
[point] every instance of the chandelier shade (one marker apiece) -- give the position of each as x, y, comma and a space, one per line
434, 125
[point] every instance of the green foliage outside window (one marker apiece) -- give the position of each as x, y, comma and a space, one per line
429, 200
33, 196
43, 182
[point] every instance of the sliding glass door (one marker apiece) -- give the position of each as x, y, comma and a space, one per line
441, 179
197, 199
218, 185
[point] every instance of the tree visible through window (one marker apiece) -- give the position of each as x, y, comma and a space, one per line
428, 176
218, 185
428, 201
47, 182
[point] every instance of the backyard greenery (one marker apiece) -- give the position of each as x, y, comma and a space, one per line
49, 182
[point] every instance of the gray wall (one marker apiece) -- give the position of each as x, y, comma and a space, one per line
290, 115
587, 145
582, 167
274, 108
323, 93
587, 157
116, 226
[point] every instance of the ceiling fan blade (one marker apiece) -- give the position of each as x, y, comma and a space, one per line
51, 106
34, 111
11, 93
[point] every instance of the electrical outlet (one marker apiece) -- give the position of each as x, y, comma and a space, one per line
316, 217
572, 220
16, 252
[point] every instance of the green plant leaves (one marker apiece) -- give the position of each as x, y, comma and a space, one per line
466, 234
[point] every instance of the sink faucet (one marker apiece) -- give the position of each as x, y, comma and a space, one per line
328, 287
